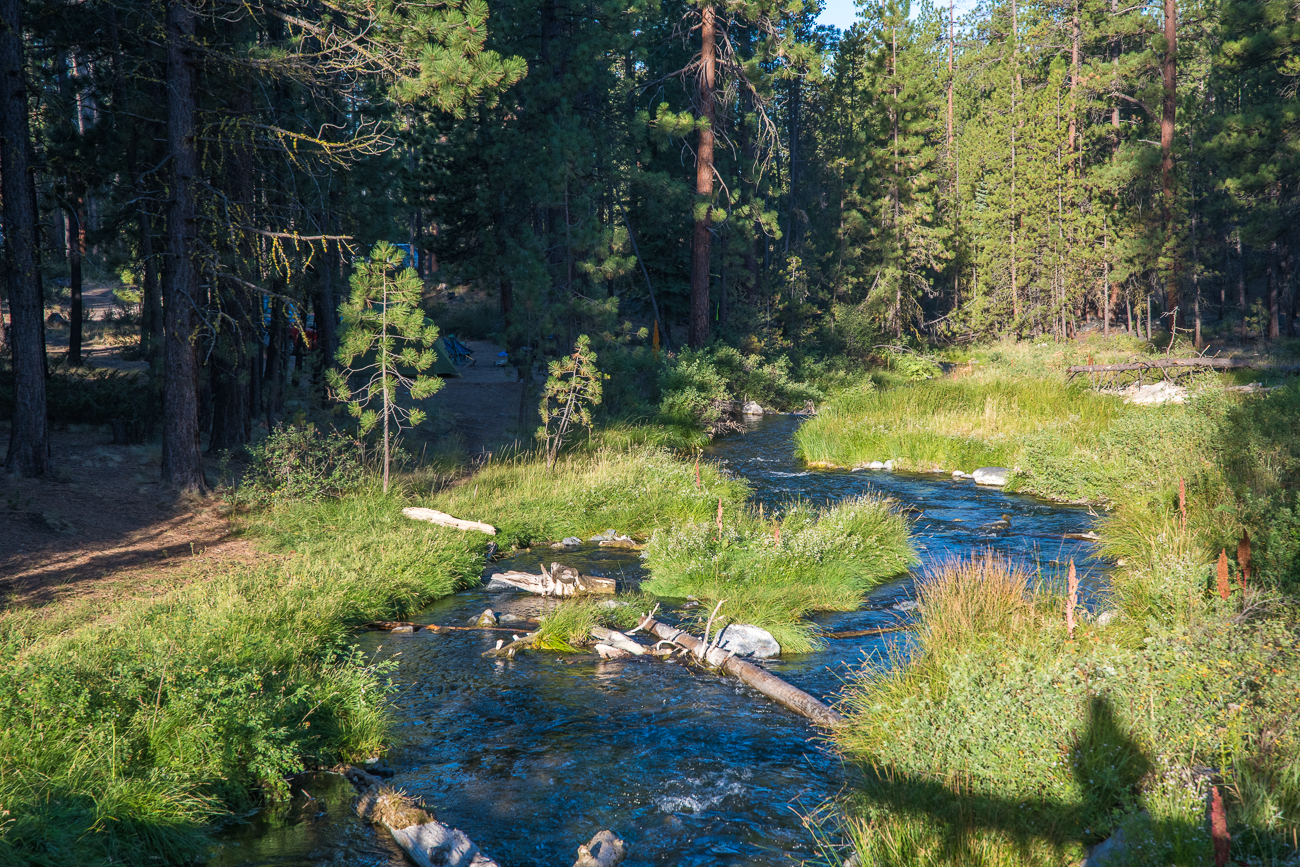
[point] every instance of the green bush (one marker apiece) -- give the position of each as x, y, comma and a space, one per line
694, 380
301, 463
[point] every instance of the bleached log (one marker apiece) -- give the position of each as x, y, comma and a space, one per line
617, 639
604, 651
760, 679
558, 581
604, 850
426, 841
442, 519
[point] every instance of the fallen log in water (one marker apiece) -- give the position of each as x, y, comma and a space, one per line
424, 839
604, 850
765, 682
442, 519
557, 581
614, 638
430, 843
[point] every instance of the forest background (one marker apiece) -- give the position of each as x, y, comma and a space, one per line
653, 174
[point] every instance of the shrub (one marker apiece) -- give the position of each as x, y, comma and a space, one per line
301, 463
695, 380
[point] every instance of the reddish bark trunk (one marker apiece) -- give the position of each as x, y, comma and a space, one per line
700, 240
1169, 77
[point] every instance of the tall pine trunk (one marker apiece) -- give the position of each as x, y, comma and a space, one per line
1169, 78
699, 324
29, 447
76, 251
182, 462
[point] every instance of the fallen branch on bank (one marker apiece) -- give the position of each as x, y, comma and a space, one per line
442, 519
747, 673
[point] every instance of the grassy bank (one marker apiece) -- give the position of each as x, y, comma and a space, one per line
127, 729
773, 571
1003, 740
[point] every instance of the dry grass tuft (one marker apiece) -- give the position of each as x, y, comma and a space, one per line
963, 600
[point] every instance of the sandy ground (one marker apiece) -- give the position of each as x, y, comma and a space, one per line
483, 406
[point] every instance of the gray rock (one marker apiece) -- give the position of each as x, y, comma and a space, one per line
958, 474
487, 618
495, 584
994, 476
1107, 617
751, 408
613, 603
568, 543
607, 536
876, 465
401, 630
506, 619
889, 465
1155, 393
906, 605
744, 639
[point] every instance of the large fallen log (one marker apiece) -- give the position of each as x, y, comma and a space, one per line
764, 681
425, 840
442, 519
430, 843
557, 581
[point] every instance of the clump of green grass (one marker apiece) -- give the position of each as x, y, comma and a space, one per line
634, 491
1004, 742
772, 572
568, 626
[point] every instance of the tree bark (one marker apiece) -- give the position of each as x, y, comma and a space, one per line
1169, 77
182, 462
76, 250
29, 447
1241, 284
700, 240
1273, 324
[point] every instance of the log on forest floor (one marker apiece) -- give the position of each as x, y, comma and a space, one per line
442, 519
746, 672
557, 581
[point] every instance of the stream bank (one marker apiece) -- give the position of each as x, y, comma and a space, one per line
532, 756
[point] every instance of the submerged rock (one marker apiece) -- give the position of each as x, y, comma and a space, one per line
510, 618
906, 605
487, 618
607, 536
568, 543
744, 639
993, 476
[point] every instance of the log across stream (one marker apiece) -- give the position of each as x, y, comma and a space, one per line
532, 756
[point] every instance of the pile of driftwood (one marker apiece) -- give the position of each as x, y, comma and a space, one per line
1172, 369
430, 843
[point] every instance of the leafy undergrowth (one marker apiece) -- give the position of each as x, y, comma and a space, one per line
567, 627
773, 571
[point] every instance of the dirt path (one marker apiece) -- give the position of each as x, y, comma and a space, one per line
103, 525
483, 405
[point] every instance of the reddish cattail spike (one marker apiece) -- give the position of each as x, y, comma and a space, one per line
1072, 599
697, 473
719, 517
1219, 829
1182, 501
776, 534
1243, 558
1223, 574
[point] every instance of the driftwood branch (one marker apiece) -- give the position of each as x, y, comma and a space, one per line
558, 581
765, 682
442, 519
614, 638
604, 850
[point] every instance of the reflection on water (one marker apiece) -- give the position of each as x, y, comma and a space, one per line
532, 756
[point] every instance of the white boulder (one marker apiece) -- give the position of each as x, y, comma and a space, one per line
993, 476
744, 639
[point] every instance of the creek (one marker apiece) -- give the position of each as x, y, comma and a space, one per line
532, 756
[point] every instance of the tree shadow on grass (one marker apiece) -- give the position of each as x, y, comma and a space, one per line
956, 819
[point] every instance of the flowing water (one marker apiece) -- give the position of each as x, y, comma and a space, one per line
532, 756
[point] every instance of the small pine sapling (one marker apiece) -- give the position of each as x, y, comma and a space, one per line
385, 328
571, 390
